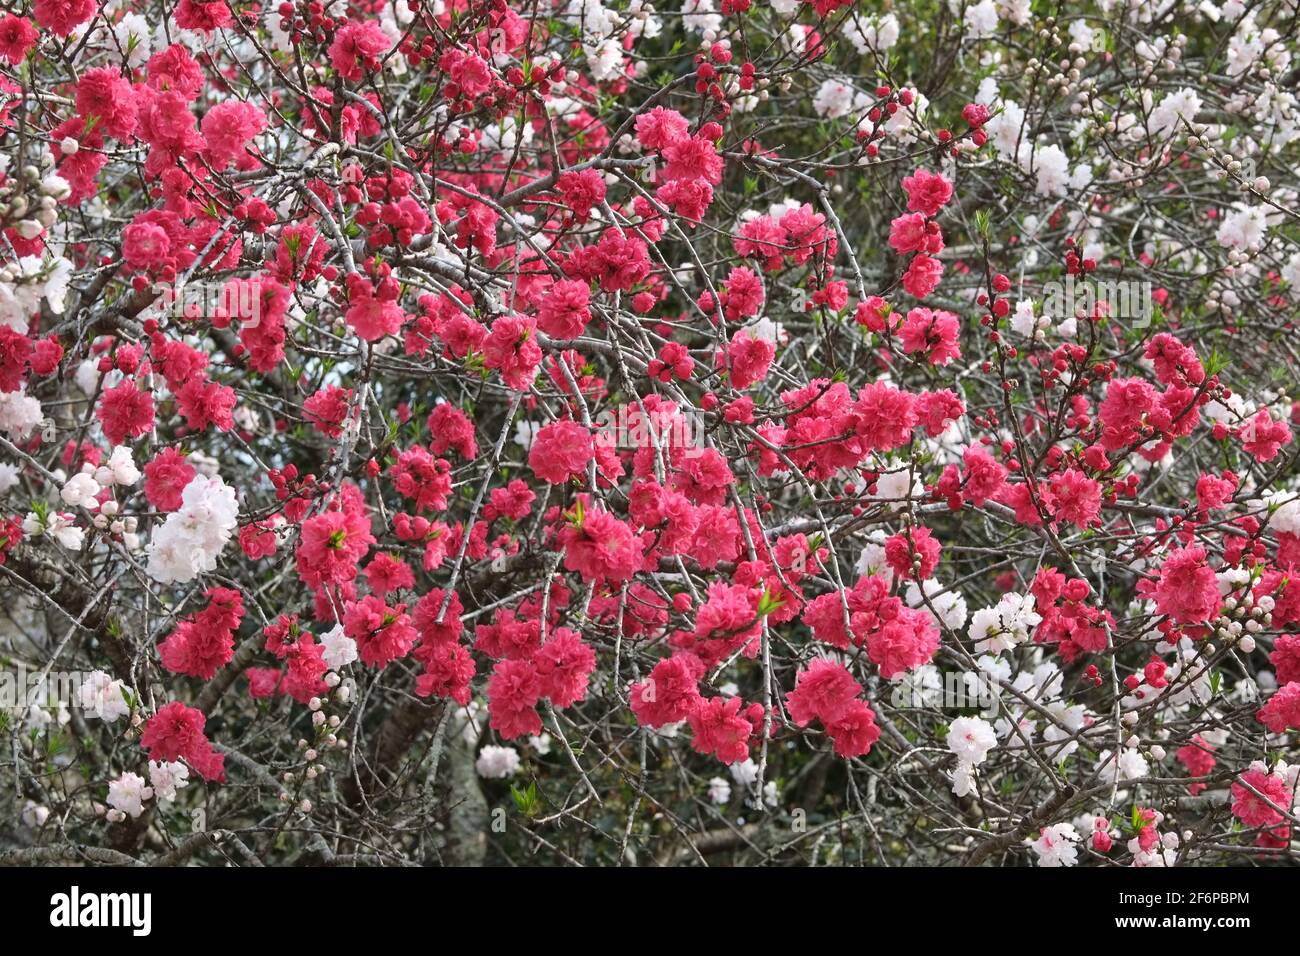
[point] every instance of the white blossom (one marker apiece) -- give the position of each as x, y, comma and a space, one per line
19, 414
103, 697
339, 649
1057, 845
497, 763
1005, 625
80, 491
168, 777
119, 469
971, 739
127, 795
190, 540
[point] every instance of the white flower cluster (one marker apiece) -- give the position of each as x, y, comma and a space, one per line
1010, 135
1056, 845
1243, 228
128, 794
867, 34
838, 97
1005, 625
190, 540
702, 17
24, 283
339, 649
1129, 765
871, 560
497, 763
167, 777
1025, 322
947, 603
120, 469
970, 739
57, 525
603, 30
83, 490
1035, 699
126, 797
103, 697
1175, 111
19, 414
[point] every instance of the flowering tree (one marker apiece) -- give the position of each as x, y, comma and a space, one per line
575, 432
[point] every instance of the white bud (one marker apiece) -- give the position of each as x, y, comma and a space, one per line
56, 188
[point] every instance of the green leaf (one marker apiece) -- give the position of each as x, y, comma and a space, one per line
768, 603
525, 800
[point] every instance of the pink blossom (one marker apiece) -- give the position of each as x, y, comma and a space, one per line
561, 451
927, 192
1186, 588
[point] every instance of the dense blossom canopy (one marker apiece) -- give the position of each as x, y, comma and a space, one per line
607, 431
